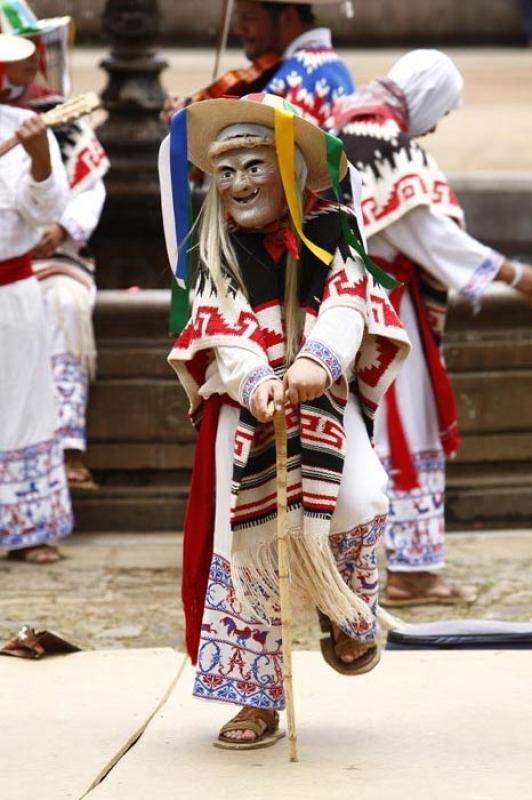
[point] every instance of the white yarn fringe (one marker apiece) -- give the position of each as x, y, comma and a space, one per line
314, 576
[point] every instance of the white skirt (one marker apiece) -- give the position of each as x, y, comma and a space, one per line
68, 307
34, 501
415, 530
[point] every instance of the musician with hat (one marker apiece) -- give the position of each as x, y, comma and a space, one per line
35, 509
291, 57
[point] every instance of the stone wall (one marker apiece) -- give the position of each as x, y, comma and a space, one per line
375, 21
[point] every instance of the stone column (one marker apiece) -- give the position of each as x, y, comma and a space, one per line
129, 243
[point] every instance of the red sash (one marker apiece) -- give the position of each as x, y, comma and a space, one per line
199, 523
15, 269
404, 473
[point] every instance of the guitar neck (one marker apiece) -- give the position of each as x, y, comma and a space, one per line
60, 115
8, 145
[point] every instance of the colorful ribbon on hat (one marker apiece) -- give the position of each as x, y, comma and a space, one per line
20, 17
182, 205
285, 144
335, 151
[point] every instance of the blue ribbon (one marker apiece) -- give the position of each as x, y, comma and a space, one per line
180, 192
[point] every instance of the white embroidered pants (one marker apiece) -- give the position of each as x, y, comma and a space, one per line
239, 658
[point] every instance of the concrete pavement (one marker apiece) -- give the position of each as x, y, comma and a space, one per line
431, 725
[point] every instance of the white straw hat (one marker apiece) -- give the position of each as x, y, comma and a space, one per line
14, 48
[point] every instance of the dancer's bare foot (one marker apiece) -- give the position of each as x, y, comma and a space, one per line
77, 473
349, 649
40, 554
423, 588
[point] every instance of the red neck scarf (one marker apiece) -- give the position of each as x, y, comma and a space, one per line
278, 239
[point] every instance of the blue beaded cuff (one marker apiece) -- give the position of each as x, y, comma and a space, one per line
321, 353
255, 376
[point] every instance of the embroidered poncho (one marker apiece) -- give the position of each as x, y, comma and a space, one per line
398, 176
316, 436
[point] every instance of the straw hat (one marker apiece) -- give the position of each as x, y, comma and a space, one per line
17, 19
13, 48
206, 119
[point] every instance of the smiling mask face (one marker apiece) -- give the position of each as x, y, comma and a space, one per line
250, 186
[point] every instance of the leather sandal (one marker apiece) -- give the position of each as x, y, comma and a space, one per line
334, 647
257, 720
457, 595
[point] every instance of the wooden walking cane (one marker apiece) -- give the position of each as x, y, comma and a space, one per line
279, 424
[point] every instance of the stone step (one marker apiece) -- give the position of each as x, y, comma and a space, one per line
128, 508
141, 443
486, 499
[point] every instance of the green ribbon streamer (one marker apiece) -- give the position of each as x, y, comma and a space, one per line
179, 310
335, 150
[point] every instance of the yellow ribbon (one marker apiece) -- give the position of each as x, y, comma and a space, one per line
285, 141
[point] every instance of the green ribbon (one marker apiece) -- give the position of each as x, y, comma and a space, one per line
335, 151
179, 310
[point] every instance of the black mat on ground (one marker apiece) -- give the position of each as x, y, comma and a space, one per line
462, 634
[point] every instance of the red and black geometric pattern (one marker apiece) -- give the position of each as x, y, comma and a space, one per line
316, 437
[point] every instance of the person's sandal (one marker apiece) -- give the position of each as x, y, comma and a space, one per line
457, 595
333, 649
252, 719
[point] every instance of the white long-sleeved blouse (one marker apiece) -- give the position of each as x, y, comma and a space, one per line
26, 204
432, 240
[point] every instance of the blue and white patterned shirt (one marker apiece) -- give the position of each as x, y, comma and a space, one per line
312, 76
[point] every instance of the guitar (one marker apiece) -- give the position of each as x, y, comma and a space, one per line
60, 115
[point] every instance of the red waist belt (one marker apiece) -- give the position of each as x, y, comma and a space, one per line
15, 269
404, 474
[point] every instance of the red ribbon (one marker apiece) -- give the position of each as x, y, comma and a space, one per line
404, 473
199, 523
